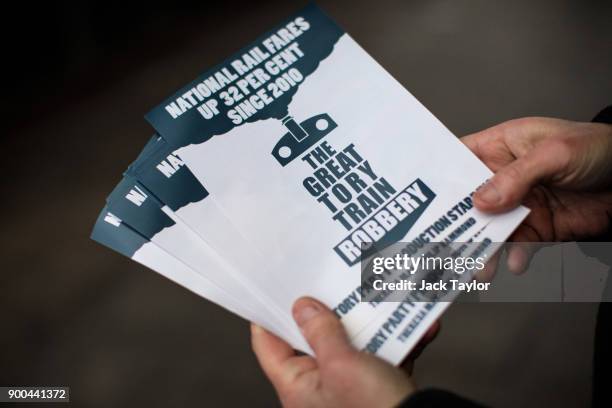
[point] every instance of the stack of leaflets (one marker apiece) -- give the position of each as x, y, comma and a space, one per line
270, 172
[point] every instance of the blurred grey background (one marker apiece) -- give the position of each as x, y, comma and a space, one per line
81, 76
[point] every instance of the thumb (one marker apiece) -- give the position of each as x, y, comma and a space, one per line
509, 186
322, 330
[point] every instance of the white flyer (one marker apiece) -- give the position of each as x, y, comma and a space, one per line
310, 148
139, 211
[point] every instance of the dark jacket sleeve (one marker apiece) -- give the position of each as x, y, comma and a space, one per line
602, 353
434, 398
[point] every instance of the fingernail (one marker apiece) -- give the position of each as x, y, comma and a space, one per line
256, 329
304, 313
489, 193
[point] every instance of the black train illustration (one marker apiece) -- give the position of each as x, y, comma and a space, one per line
301, 136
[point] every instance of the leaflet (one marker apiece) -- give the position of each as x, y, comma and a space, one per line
112, 232
164, 175
312, 149
139, 209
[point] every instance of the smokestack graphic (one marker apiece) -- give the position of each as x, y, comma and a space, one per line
301, 136
294, 128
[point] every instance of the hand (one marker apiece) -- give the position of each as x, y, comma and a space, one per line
559, 169
339, 376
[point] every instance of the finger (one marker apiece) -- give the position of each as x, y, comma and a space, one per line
472, 143
539, 226
519, 257
509, 186
271, 352
487, 273
521, 249
431, 333
408, 363
278, 361
429, 336
322, 330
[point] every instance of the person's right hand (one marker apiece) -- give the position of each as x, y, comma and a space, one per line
561, 170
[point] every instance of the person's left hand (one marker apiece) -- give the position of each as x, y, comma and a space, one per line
339, 376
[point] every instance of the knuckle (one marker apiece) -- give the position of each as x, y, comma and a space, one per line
321, 327
526, 122
513, 174
510, 184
